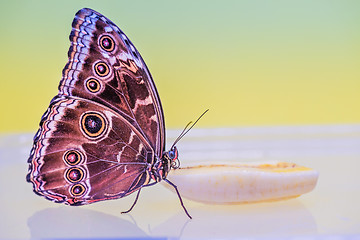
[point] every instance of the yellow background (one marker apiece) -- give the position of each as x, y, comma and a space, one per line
250, 62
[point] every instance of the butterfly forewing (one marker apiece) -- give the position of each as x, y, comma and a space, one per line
103, 131
104, 66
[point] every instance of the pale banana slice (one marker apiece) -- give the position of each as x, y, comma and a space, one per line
241, 183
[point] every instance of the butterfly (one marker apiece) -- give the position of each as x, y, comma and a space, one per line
103, 135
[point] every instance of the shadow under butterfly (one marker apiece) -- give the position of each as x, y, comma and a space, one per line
103, 135
89, 224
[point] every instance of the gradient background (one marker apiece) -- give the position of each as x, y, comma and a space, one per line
252, 63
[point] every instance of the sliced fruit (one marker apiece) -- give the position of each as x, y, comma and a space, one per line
241, 183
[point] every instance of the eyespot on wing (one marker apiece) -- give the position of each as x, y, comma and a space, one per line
236, 183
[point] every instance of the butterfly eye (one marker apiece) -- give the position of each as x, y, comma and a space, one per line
74, 174
73, 157
93, 124
173, 154
107, 43
77, 190
101, 69
93, 85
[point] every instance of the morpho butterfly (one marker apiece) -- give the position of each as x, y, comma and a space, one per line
103, 135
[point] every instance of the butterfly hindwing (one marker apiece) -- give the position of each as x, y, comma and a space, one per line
84, 152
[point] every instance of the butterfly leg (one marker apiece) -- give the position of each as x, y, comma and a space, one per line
137, 196
181, 201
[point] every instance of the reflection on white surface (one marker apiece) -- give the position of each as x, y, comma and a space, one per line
331, 209
283, 219
68, 222
244, 221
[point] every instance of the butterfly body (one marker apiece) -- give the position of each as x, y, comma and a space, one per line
103, 135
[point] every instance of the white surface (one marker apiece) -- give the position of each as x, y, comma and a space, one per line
331, 211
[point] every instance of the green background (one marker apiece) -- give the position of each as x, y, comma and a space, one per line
250, 62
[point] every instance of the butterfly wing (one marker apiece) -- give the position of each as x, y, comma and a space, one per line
104, 66
101, 133
85, 152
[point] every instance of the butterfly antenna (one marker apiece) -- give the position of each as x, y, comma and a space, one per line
180, 136
186, 129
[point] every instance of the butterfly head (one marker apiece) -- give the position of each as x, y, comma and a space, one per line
170, 158
172, 155
168, 161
